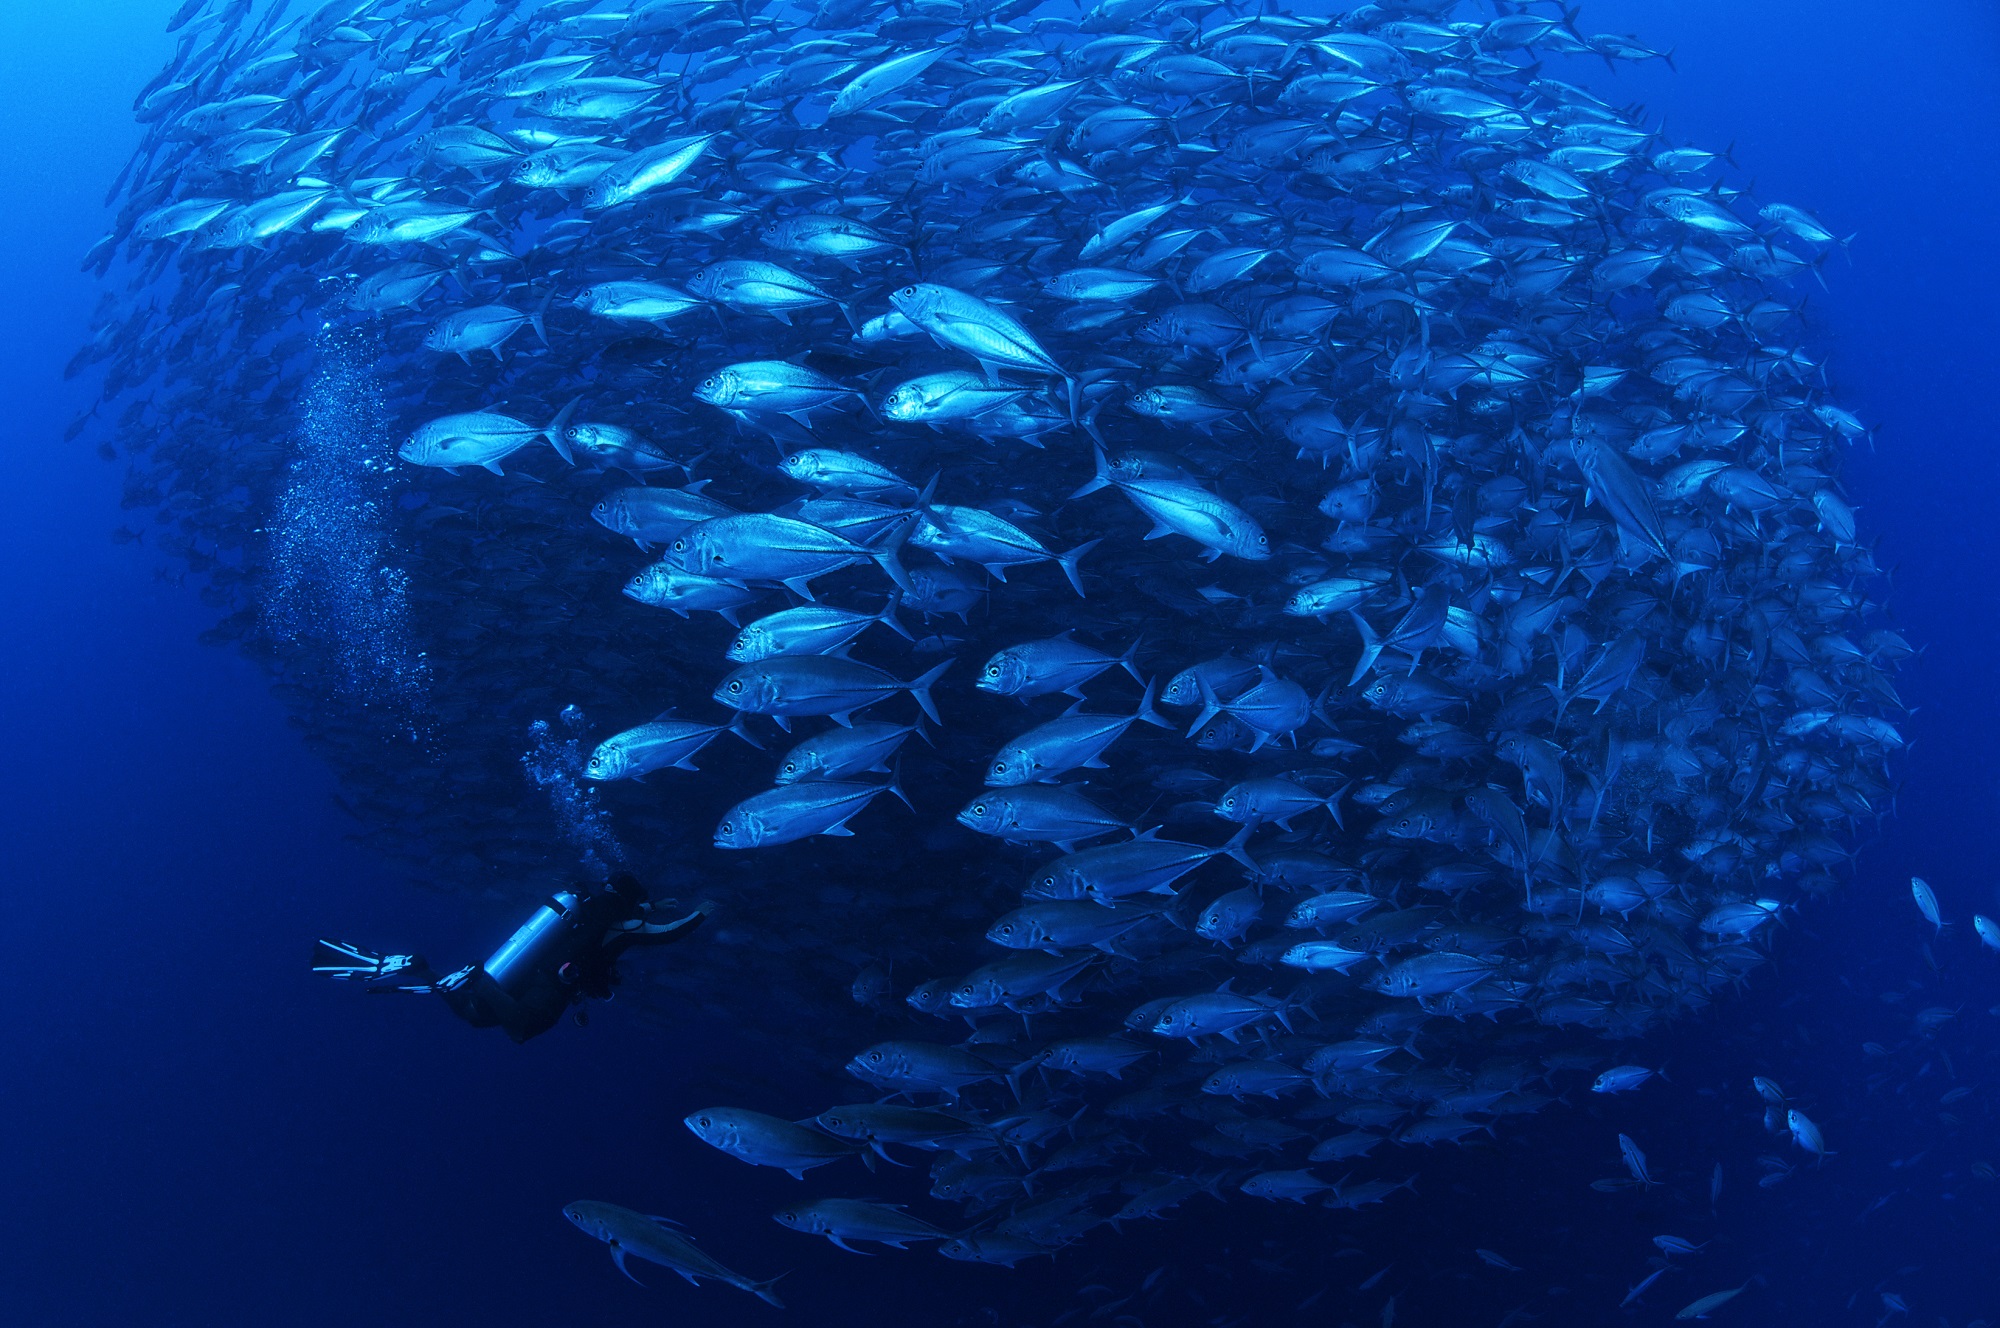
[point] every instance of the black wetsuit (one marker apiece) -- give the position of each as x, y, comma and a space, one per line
567, 952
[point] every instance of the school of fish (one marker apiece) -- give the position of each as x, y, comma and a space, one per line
1216, 597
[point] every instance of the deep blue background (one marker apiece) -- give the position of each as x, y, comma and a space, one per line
192, 1131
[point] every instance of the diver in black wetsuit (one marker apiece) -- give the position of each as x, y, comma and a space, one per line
566, 952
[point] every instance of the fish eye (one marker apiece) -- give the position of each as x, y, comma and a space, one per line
791, 767
979, 809
999, 767
992, 670
702, 1121
735, 687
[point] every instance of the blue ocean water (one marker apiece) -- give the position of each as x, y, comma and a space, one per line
200, 1133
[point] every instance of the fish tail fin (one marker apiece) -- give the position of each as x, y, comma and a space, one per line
1089, 423
893, 568
887, 617
1318, 707
895, 785
1371, 648
1100, 480
1234, 849
1071, 563
884, 550
763, 1292
1148, 715
1333, 804
921, 689
1562, 695
554, 433
1125, 661
1211, 706
736, 727
535, 318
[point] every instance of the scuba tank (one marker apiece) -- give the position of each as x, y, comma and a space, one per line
538, 947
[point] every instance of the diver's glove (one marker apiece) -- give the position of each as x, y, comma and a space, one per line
642, 930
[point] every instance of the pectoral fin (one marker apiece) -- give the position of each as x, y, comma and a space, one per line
618, 1257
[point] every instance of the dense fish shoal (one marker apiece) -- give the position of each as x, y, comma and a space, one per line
1213, 597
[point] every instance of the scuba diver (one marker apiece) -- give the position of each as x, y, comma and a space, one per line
567, 951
